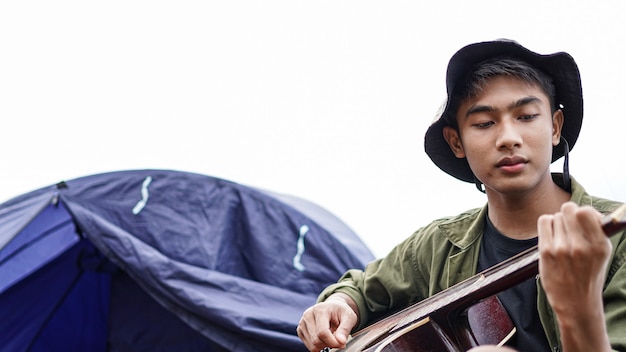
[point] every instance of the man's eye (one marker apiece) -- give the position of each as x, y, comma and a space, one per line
528, 117
483, 124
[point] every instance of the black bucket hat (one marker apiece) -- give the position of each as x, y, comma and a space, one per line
560, 66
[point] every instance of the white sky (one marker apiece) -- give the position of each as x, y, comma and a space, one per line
326, 100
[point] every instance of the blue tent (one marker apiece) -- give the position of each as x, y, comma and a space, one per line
159, 260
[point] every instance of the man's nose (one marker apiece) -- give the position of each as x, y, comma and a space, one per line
508, 137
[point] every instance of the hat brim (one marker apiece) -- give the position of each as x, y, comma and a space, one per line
560, 66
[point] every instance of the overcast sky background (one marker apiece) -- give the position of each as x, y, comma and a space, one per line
325, 100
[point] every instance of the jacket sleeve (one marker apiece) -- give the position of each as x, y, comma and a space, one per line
387, 284
615, 285
615, 294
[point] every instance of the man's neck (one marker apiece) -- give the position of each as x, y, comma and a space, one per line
516, 215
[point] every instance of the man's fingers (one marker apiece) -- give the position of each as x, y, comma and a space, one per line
590, 222
544, 228
326, 325
348, 321
314, 329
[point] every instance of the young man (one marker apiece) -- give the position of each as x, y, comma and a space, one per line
510, 113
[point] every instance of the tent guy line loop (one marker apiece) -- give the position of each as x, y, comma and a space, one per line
144, 196
297, 264
55, 196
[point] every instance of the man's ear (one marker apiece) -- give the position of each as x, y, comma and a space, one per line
451, 136
557, 126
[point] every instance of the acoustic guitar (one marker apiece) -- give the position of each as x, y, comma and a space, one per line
462, 316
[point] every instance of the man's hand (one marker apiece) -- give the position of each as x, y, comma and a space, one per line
574, 254
328, 324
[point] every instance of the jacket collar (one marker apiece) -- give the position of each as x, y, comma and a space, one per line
466, 228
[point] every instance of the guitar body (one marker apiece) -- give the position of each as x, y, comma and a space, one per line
422, 336
485, 322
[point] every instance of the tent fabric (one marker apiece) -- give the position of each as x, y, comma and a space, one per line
164, 260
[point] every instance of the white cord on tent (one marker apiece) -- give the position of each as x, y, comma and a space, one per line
296, 259
144, 194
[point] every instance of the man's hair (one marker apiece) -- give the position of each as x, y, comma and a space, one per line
475, 82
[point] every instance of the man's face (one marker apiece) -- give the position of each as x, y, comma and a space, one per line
507, 133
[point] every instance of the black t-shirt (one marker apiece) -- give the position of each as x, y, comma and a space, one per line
519, 301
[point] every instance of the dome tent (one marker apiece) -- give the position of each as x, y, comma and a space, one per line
164, 260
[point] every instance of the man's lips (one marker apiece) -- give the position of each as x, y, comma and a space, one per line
511, 164
511, 160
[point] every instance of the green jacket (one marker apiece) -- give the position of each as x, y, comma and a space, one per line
445, 252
